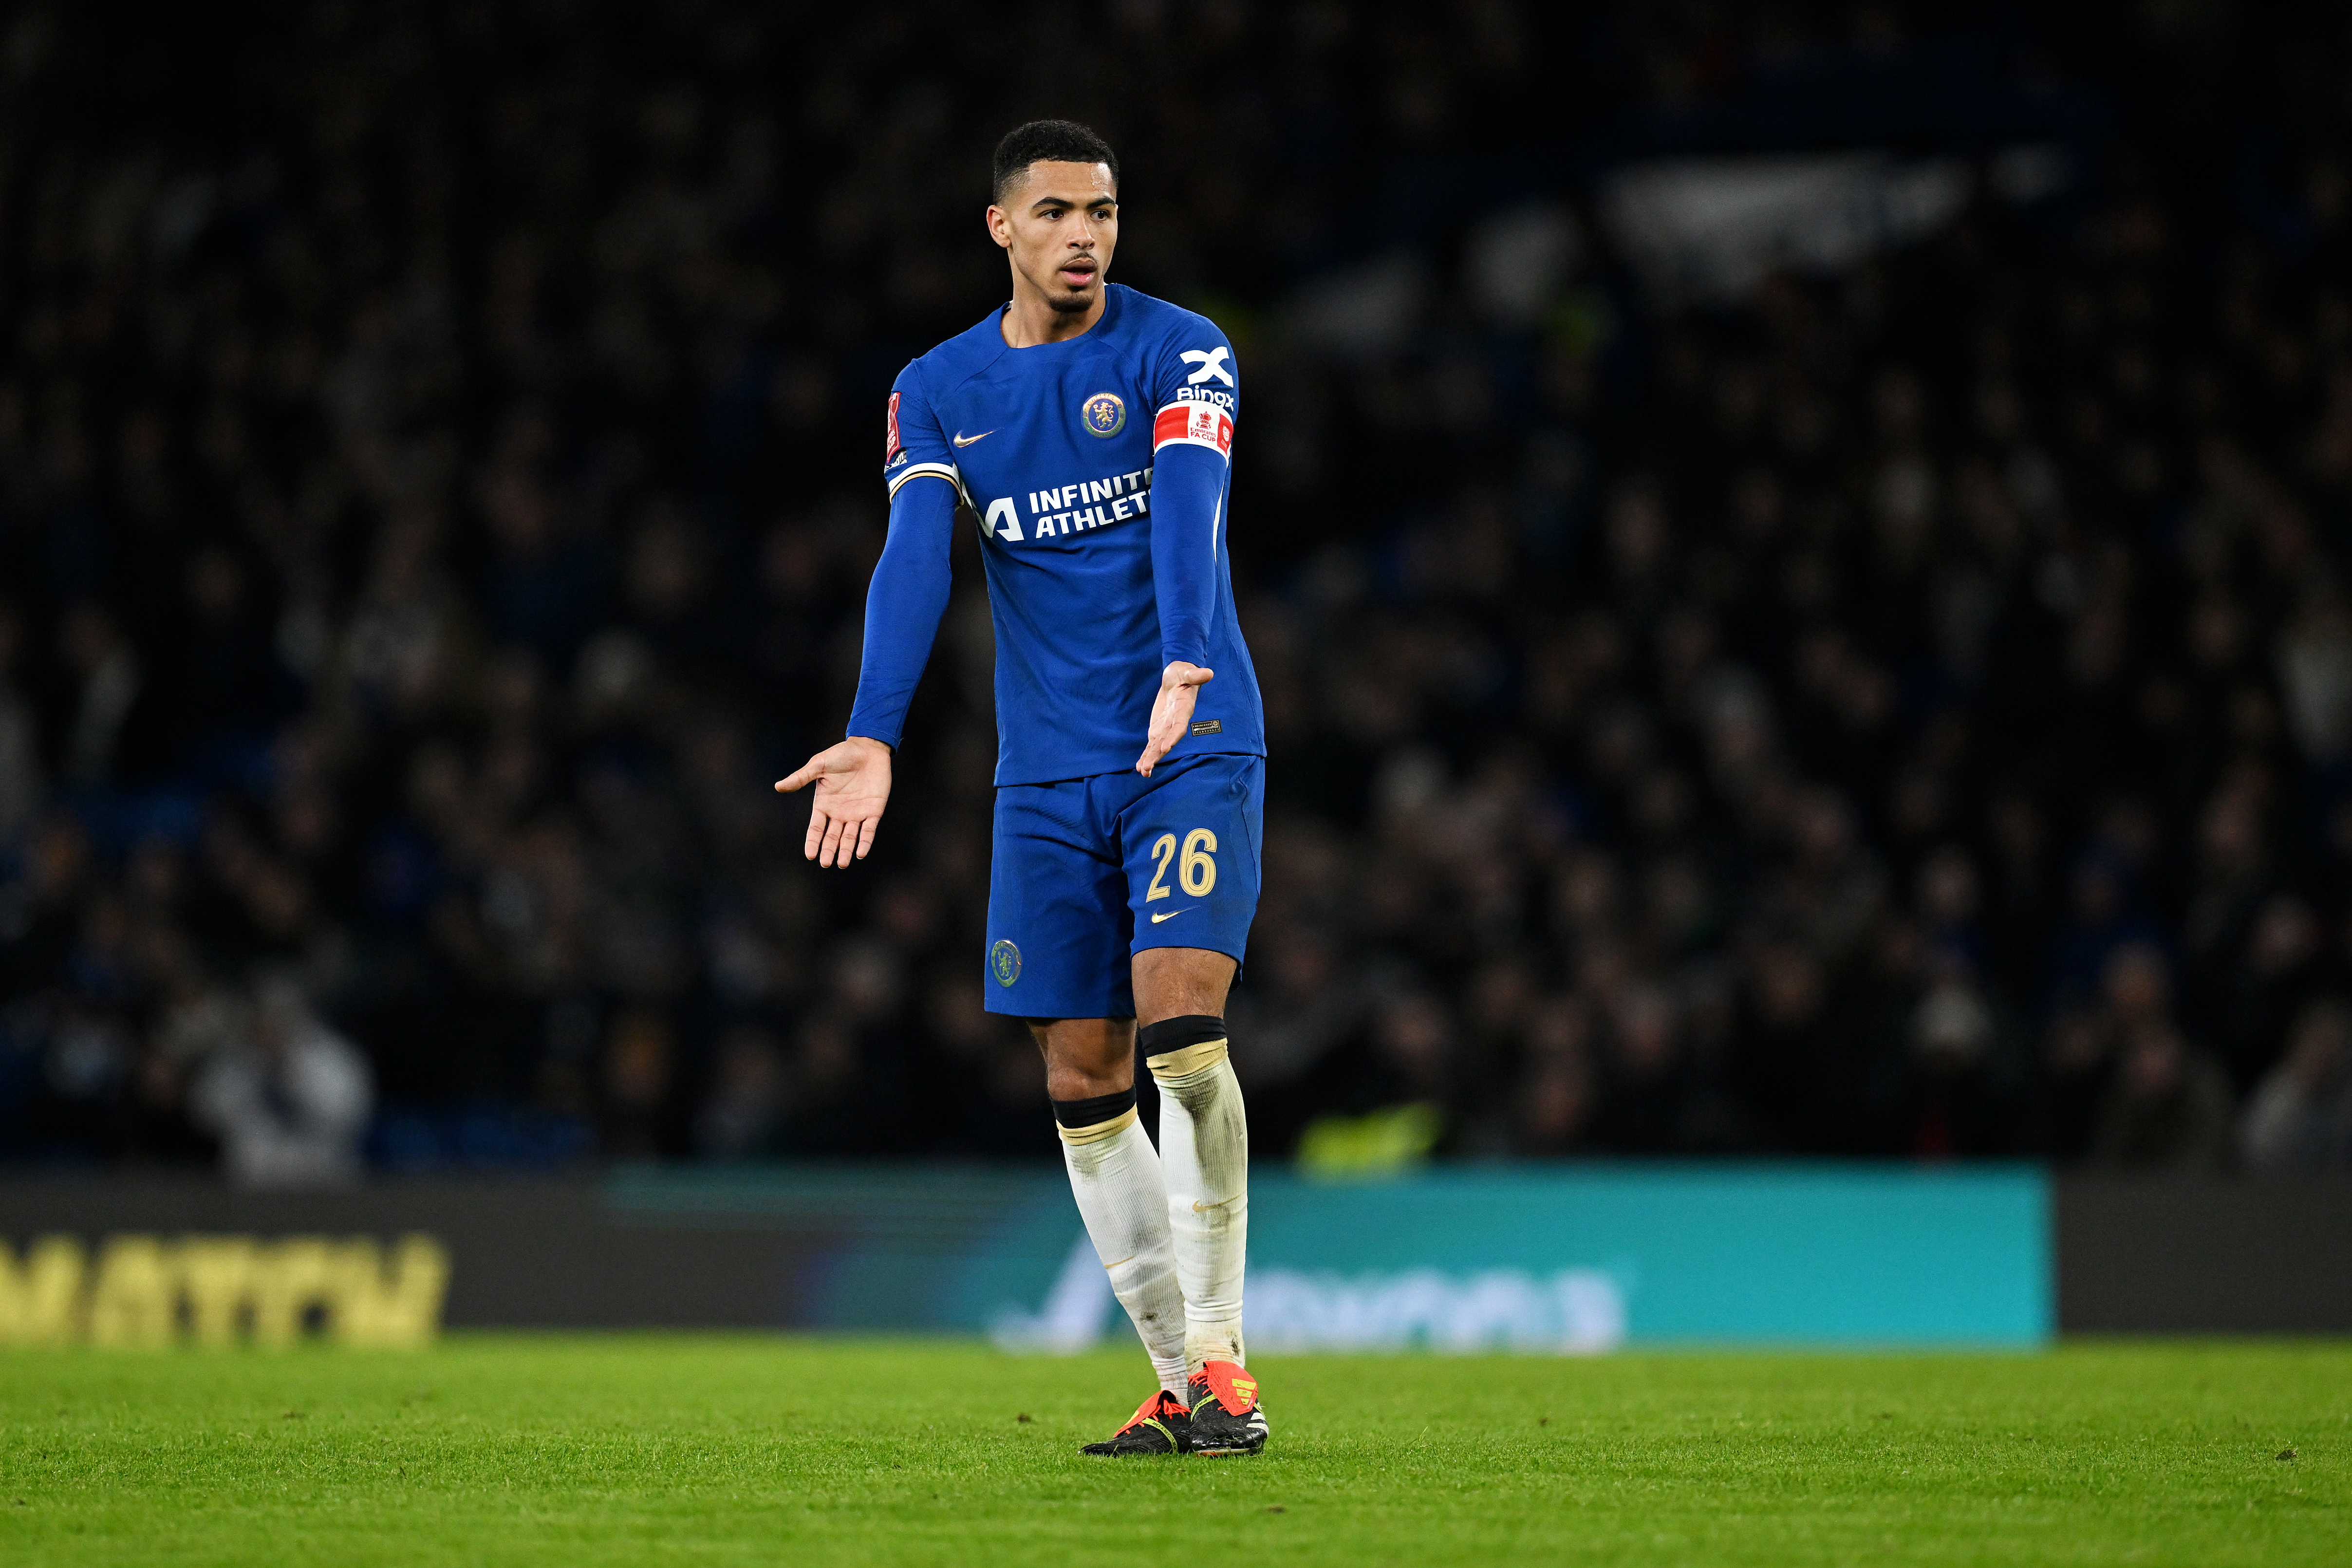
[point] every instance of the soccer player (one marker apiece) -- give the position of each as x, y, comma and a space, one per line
1088, 431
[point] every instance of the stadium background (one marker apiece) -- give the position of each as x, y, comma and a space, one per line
1897, 704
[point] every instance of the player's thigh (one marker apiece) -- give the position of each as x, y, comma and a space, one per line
1192, 847
1057, 910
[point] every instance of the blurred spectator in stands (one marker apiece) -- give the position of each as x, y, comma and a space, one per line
1300, 1004
107, 683
987, 1103
2315, 669
2283, 964
638, 1061
2167, 1106
1648, 1105
2085, 1041
743, 1118
21, 785
2301, 1115
289, 1100
1559, 1095
1416, 1056
1955, 1093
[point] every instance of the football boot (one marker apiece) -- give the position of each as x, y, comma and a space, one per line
1160, 1425
1226, 1417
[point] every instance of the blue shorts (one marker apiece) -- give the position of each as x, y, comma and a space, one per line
1089, 872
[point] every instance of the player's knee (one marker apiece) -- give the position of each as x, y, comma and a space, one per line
1193, 981
1087, 1057
1091, 1120
1179, 1047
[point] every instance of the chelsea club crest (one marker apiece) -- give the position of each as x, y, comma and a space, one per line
1103, 414
1004, 962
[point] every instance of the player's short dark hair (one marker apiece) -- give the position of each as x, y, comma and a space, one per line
1047, 142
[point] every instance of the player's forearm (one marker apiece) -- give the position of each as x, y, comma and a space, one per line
903, 606
1188, 489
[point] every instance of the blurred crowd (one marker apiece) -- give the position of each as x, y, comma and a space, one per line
1904, 711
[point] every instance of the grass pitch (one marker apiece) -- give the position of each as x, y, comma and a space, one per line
644, 1448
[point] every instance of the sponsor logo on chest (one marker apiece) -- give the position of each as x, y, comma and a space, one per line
1069, 508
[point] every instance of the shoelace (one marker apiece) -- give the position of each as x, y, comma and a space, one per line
1147, 1411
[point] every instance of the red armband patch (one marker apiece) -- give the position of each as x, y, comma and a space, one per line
1194, 424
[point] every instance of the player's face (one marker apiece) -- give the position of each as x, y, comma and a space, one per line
1059, 229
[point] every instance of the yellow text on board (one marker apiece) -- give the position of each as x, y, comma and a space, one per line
219, 1290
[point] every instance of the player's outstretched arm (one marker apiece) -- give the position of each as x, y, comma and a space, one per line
853, 785
903, 606
1171, 710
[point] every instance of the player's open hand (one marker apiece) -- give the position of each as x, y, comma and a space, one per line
853, 785
1179, 687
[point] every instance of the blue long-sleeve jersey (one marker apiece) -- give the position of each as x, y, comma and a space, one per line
1098, 470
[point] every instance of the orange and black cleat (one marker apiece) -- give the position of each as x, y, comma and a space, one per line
1226, 1417
1162, 1425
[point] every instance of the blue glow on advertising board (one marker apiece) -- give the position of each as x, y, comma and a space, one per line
1557, 1259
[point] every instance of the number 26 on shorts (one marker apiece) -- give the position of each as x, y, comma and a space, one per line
1196, 867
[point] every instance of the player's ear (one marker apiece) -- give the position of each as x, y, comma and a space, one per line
1000, 227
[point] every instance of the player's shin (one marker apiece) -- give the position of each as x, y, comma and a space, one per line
1204, 1154
1116, 1177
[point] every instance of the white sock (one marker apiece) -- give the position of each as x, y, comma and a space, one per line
1204, 1154
1115, 1176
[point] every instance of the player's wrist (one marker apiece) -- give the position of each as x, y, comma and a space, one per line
889, 748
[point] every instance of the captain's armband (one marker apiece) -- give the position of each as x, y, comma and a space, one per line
1190, 424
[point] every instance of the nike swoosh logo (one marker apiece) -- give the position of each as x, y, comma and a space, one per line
963, 440
1172, 914
1200, 1207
